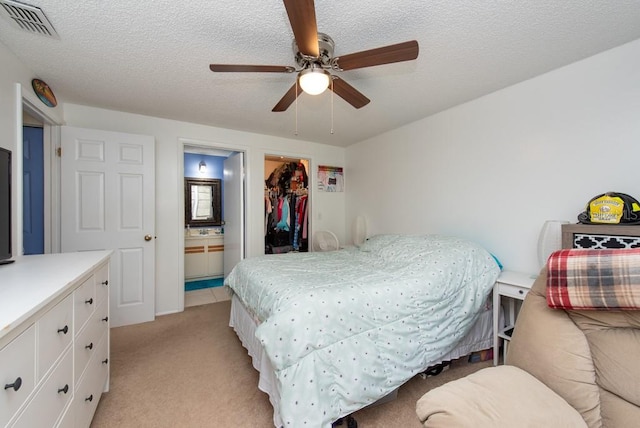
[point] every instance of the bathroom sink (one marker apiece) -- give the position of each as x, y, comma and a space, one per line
202, 232
198, 232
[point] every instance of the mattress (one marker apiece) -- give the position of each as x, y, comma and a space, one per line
480, 337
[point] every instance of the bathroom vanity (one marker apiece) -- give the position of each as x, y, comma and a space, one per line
203, 255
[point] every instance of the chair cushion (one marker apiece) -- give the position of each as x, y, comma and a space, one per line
547, 344
614, 341
503, 396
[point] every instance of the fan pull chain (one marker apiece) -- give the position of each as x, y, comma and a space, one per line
332, 92
296, 131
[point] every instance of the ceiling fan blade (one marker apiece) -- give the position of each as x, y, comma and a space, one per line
251, 68
348, 93
302, 16
405, 51
288, 98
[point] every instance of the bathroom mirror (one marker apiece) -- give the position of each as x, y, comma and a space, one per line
202, 205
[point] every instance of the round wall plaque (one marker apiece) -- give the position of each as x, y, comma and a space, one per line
44, 92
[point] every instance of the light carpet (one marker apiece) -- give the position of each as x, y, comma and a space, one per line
190, 370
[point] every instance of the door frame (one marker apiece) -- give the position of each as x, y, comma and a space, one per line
51, 142
206, 145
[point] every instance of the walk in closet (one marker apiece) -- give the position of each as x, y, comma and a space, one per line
286, 205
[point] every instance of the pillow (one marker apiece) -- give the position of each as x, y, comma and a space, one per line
411, 248
402, 247
376, 243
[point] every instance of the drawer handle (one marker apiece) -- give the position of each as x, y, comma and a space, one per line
105, 361
521, 291
105, 319
89, 346
65, 389
90, 301
105, 282
89, 398
15, 385
64, 329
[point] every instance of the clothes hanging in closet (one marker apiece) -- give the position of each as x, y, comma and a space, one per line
286, 214
286, 222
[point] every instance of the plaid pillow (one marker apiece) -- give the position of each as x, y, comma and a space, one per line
594, 279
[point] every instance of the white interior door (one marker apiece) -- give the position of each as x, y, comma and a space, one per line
108, 202
233, 211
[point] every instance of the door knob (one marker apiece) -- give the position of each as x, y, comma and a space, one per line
148, 237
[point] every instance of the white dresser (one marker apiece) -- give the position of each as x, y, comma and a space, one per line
54, 339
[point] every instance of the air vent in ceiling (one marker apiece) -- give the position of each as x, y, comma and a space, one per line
28, 18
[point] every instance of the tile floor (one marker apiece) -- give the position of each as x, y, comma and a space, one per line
205, 296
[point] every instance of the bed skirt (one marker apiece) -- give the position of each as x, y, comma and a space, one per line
244, 324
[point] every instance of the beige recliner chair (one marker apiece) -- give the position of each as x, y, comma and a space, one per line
564, 369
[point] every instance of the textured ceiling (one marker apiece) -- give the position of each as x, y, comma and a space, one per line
151, 56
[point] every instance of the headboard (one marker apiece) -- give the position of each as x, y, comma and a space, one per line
600, 236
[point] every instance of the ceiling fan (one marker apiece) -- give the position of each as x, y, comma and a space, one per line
313, 53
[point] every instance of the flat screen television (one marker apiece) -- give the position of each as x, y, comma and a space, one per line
5, 206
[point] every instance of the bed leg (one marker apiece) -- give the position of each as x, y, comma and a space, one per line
351, 422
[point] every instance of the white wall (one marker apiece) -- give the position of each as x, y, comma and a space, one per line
496, 168
328, 209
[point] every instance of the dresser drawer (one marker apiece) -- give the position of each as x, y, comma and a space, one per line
52, 397
90, 389
100, 363
513, 291
87, 341
54, 333
84, 302
18, 368
67, 419
102, 284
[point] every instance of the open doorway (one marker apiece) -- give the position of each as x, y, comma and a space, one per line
39, 230
287, 207
213, 221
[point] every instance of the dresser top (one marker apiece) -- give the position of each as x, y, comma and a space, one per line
32, 282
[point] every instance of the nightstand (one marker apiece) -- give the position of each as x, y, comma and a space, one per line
512, 286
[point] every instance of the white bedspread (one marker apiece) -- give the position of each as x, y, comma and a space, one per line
343, 329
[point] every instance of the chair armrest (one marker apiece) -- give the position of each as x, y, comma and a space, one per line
503, 396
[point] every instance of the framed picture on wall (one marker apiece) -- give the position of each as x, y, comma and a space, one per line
330, 179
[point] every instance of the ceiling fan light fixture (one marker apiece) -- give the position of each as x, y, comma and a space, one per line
314, 81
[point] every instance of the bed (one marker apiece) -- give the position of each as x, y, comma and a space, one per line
333, 332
